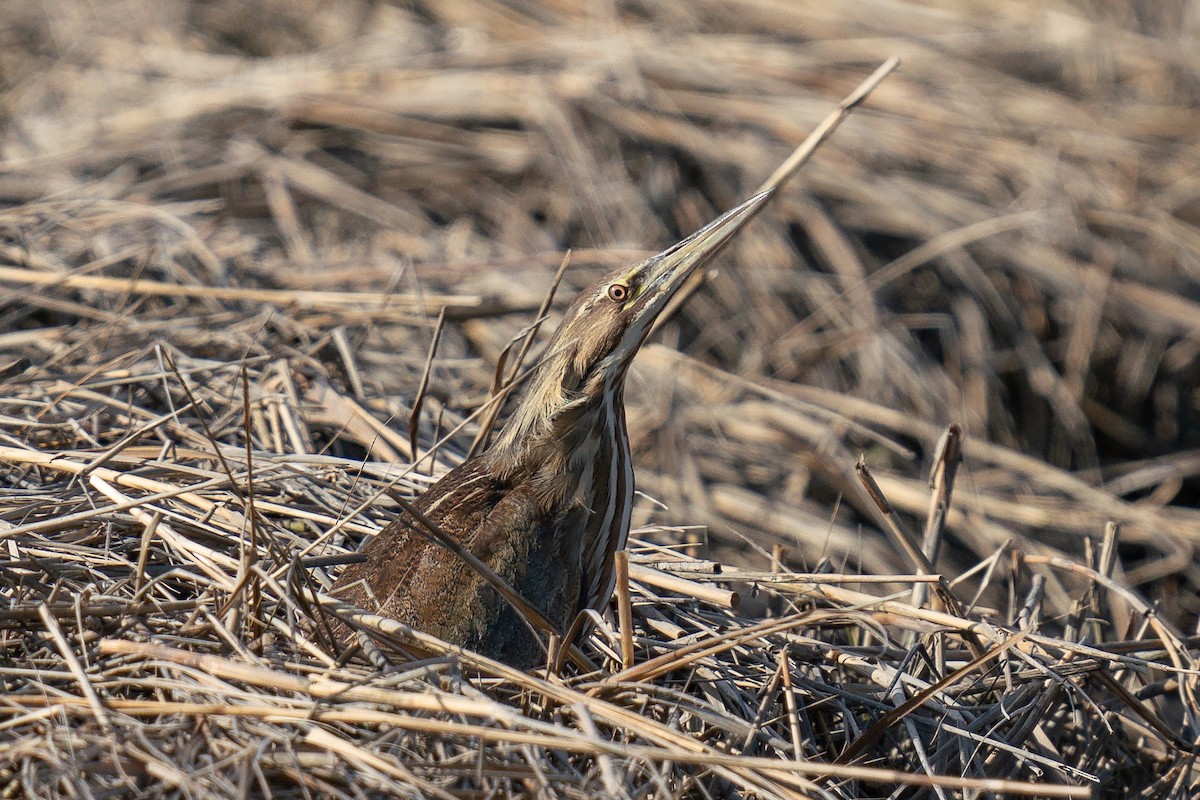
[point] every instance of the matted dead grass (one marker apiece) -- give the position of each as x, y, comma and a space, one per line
227, 237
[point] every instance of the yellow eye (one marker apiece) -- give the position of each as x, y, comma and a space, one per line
618, 292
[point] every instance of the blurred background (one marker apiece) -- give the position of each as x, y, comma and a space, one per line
1006, 236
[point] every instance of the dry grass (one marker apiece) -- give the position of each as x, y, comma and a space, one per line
227, 234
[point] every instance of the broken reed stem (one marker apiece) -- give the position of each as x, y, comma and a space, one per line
947, 456
830, 124
725, 598
789, 696
414, 417
624, 609
907, 543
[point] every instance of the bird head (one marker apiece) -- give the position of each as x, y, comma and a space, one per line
588, 356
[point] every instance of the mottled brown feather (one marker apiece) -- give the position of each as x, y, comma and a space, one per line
418, 582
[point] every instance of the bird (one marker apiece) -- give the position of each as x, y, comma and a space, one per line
547, 505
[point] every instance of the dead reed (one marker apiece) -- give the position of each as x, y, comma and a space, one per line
228, 230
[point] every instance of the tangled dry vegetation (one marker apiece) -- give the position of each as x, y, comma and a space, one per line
229, 230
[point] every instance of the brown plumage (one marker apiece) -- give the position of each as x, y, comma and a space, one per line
548, 504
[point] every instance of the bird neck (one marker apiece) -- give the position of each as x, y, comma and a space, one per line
552, 440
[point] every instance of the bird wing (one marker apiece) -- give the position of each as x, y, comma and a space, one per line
411, 578
458, 503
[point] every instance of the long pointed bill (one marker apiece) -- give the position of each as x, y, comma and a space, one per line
665, 273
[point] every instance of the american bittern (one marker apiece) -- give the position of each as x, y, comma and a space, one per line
547, 506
